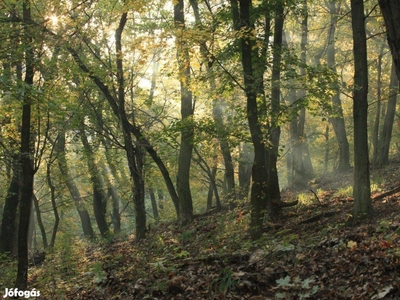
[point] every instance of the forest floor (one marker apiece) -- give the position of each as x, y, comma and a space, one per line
311, 254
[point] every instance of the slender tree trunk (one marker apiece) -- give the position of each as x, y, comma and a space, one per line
134, 154
300, 169
386, 135
273, 181
27, 163
246, 159
211, 187
337, 119
53, 204
327, 148
153, 204
40, 221
99, 196
72, 188
187, 110
133, 127
375, 133
112, 191
362, 189
259, 189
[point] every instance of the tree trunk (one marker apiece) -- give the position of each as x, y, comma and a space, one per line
26, 158
391, 13
133, 127
217, 112
153, 204
133, 153
40, 222
8, 231
187, 110
275, 131
337, 118
99, 196
72, 188
362, 189
53, 204
259, 189
375, 133
246, 159
211, 188
112, 191
300, 169
386, 135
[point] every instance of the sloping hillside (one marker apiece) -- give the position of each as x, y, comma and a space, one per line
310, 254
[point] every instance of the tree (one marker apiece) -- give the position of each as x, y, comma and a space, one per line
362, 188
60, 153
386, 134
187, 111
99, 196
27, 153
391, 14
337, 118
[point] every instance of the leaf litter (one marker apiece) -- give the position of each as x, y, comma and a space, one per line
214, 258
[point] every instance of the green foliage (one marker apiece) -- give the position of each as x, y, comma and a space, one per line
225, 282
98, 272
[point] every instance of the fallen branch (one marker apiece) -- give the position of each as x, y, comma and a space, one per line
388, 193
318, 217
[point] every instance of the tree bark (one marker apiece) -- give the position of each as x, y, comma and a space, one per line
337, 118
99, 196
362, 189
259, 188
187, 110
386, 135
26, 158
246, 158
8, 233
375, 133
72, 188
133, 153
217, 113
275, 130
153, 204
391, 14
40, 222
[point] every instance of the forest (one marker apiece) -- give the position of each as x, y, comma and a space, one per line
199, 149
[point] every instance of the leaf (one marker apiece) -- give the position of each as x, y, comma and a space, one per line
284, 282
383, 293
306, 283
352, 245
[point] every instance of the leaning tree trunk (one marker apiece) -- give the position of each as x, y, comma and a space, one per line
362, 189
99, 196
72, 187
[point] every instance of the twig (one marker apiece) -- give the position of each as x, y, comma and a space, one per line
316, 196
